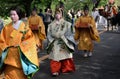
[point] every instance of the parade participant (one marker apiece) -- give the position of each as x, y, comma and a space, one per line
60, 46
18, 53
37, 27
102, 22
110, 11
85, 32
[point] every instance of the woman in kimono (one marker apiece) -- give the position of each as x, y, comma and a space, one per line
86, 32
60, 46
18, 53
37, 27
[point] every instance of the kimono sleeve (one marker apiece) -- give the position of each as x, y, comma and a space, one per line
94, 30
28, 41
28, 47
3, 44
49, 34
77, 23
77, 35
42, 34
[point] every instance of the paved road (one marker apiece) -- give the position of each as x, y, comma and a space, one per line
104, 64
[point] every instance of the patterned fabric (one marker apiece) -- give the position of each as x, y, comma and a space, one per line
58, 35
82, 33
11, 39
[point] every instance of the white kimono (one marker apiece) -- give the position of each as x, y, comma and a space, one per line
61, 41
101, 23
95, 15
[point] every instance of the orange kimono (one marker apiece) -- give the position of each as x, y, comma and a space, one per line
84, 34
17, 42
36, 23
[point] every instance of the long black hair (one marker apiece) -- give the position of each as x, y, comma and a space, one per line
18, 11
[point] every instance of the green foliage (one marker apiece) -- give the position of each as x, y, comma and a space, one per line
103, 2
7, 4
28, 4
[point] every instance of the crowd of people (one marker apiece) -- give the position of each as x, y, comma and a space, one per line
104, 15
22, 39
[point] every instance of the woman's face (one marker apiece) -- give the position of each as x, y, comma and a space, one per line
58, 16
14, 16
34, 12
86, 12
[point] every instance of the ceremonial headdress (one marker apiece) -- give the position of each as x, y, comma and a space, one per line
85, 7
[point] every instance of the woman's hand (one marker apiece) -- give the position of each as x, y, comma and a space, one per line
89, 25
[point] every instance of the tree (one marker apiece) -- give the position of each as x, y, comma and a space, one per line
28, 4
7, 4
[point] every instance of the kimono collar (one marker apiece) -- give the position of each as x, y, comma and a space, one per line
34, 15
16, 25
86, 15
